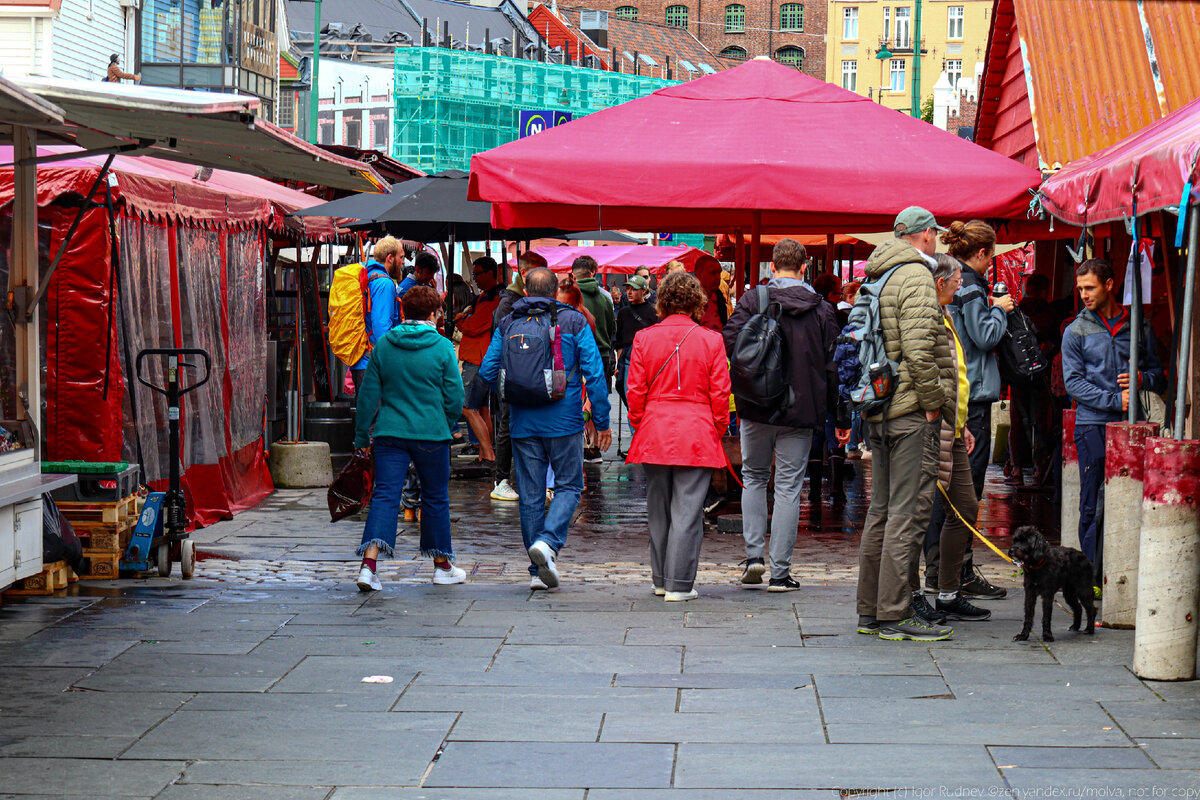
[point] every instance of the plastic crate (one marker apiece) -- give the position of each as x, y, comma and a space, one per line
114, 482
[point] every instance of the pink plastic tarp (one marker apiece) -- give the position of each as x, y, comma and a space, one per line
620, 259
1161, 157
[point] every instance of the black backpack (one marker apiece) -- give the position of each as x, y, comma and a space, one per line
531, 358
1021, 358
758, 363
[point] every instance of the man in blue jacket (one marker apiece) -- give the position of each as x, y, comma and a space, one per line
382, 267
550, 435
1095, 364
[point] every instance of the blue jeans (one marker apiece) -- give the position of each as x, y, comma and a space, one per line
432, 463
1089, 441
531, 457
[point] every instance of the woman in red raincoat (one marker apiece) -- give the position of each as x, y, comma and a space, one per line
678, 397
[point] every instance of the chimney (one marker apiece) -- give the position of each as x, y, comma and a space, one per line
594, 25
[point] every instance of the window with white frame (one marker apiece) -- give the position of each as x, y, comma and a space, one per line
850, 75
897, 75
903, 28
887, 24
954, 71
850, 23
954, 22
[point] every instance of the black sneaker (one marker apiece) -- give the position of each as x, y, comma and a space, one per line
470, 451
976, 586
785, 584
592, 455
925, 612
958, 608
755, 567
913, 629
868, 625
931, 582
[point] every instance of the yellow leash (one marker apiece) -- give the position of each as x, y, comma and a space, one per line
971, 527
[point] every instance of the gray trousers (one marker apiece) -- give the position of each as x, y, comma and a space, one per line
788, 448
675, 516
954, 536
904, 462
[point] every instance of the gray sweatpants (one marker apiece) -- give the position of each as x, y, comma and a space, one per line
788, 448
675, 516
904, 462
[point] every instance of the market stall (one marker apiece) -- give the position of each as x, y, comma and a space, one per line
619, 259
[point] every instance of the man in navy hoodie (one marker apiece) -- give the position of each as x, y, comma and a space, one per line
1095, 363
551, 435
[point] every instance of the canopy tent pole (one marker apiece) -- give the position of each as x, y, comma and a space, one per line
1135, 319
1185, 339
755, 248
829, 260
23, 282
449, 271
739, 263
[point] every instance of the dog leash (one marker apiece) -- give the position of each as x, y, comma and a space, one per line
971, 527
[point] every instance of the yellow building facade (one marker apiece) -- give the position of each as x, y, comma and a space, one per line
953, 39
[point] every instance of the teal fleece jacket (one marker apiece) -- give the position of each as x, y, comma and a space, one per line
412, 389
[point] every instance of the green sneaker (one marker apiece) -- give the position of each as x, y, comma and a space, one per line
913, 629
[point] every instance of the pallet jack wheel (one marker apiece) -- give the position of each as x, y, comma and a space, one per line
187, 558
164, 560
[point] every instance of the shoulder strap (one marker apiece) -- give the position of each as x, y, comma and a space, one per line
674, 354
764, 298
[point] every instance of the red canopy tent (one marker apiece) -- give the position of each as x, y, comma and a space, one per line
620, 259
760, 148
844, 246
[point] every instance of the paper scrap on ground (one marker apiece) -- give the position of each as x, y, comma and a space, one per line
377, 679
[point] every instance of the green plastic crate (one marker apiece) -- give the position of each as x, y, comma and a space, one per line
85, 467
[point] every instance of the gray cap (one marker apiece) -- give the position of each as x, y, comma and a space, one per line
914, 219
638, 282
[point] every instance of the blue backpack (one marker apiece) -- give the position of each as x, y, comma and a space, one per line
877, 375
532, 372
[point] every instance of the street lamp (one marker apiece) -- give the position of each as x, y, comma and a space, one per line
881, 55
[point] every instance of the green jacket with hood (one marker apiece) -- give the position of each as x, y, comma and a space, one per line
914, 332
598, 301
412, 388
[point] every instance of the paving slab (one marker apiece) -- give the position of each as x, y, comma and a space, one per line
800, 700
54, 745
782, 659
514, 677
715, 680
553, 765
239, 792
712, 794
1171, 753
1072, 757
575, 658
395, 768
895, 686
283, 703
769, 727
1105, 782
70, 776
534, 723
983, 733
100, 714
456, 793
883, 712
149, 670
504, 699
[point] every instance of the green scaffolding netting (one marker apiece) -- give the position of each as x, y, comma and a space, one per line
451, 104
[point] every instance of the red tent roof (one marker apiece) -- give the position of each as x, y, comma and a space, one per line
1161, 157
620, 259
761, 138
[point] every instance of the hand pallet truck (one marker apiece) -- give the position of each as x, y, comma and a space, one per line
162, 526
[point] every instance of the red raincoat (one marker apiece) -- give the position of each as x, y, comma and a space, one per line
678, 401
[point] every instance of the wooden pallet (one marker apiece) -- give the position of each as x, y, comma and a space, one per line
118, 513
53, 577
104, 565
106, 538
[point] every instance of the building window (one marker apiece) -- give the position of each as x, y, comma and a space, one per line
287, 110
954, 24
627, 12
352, 130
954, 71
791, 56
903, 28
677, 16
887, 24
735, 18
850, 75
897, 75
850, 23
791, 16
734, 53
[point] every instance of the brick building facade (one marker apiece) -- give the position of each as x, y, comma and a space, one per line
789, 32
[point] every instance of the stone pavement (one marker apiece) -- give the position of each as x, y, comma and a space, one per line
248, 681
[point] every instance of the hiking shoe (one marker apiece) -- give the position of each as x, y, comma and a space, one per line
959, 608
922, 610
542, 556
468, 451
368, 581
785, 584
974, 585
868, 625
505, 491
447, 577
914, 630
755, 567
679, 597
592, 455
536, 584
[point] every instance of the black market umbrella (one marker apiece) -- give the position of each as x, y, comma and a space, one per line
599, 236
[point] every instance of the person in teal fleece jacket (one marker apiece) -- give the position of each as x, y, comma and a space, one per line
412, 394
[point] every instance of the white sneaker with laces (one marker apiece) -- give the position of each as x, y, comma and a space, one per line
537, 585
659, 591
542, 555
505, 491
678, 597
446, 577
368, 581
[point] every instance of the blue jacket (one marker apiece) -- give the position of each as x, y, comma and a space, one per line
1092, 358
385, 310
981, 327
581, 358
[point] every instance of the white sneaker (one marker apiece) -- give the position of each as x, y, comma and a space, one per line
368, 581
505, 491
659, 591
536, 584
542, 555
679, 597
446, 577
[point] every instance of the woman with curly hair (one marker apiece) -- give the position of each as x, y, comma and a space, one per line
678, 395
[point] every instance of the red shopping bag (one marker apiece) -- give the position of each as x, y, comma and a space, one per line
351, 489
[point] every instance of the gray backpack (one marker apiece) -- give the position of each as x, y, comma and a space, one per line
877, 374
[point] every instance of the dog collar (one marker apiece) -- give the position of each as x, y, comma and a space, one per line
1038, 565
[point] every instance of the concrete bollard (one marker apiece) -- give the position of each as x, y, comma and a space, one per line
300, 465
1164, 645
1124, 459
1069, 519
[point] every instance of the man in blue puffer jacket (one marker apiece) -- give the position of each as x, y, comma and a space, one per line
1095, 363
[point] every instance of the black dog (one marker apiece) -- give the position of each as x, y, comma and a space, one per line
1047, 570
